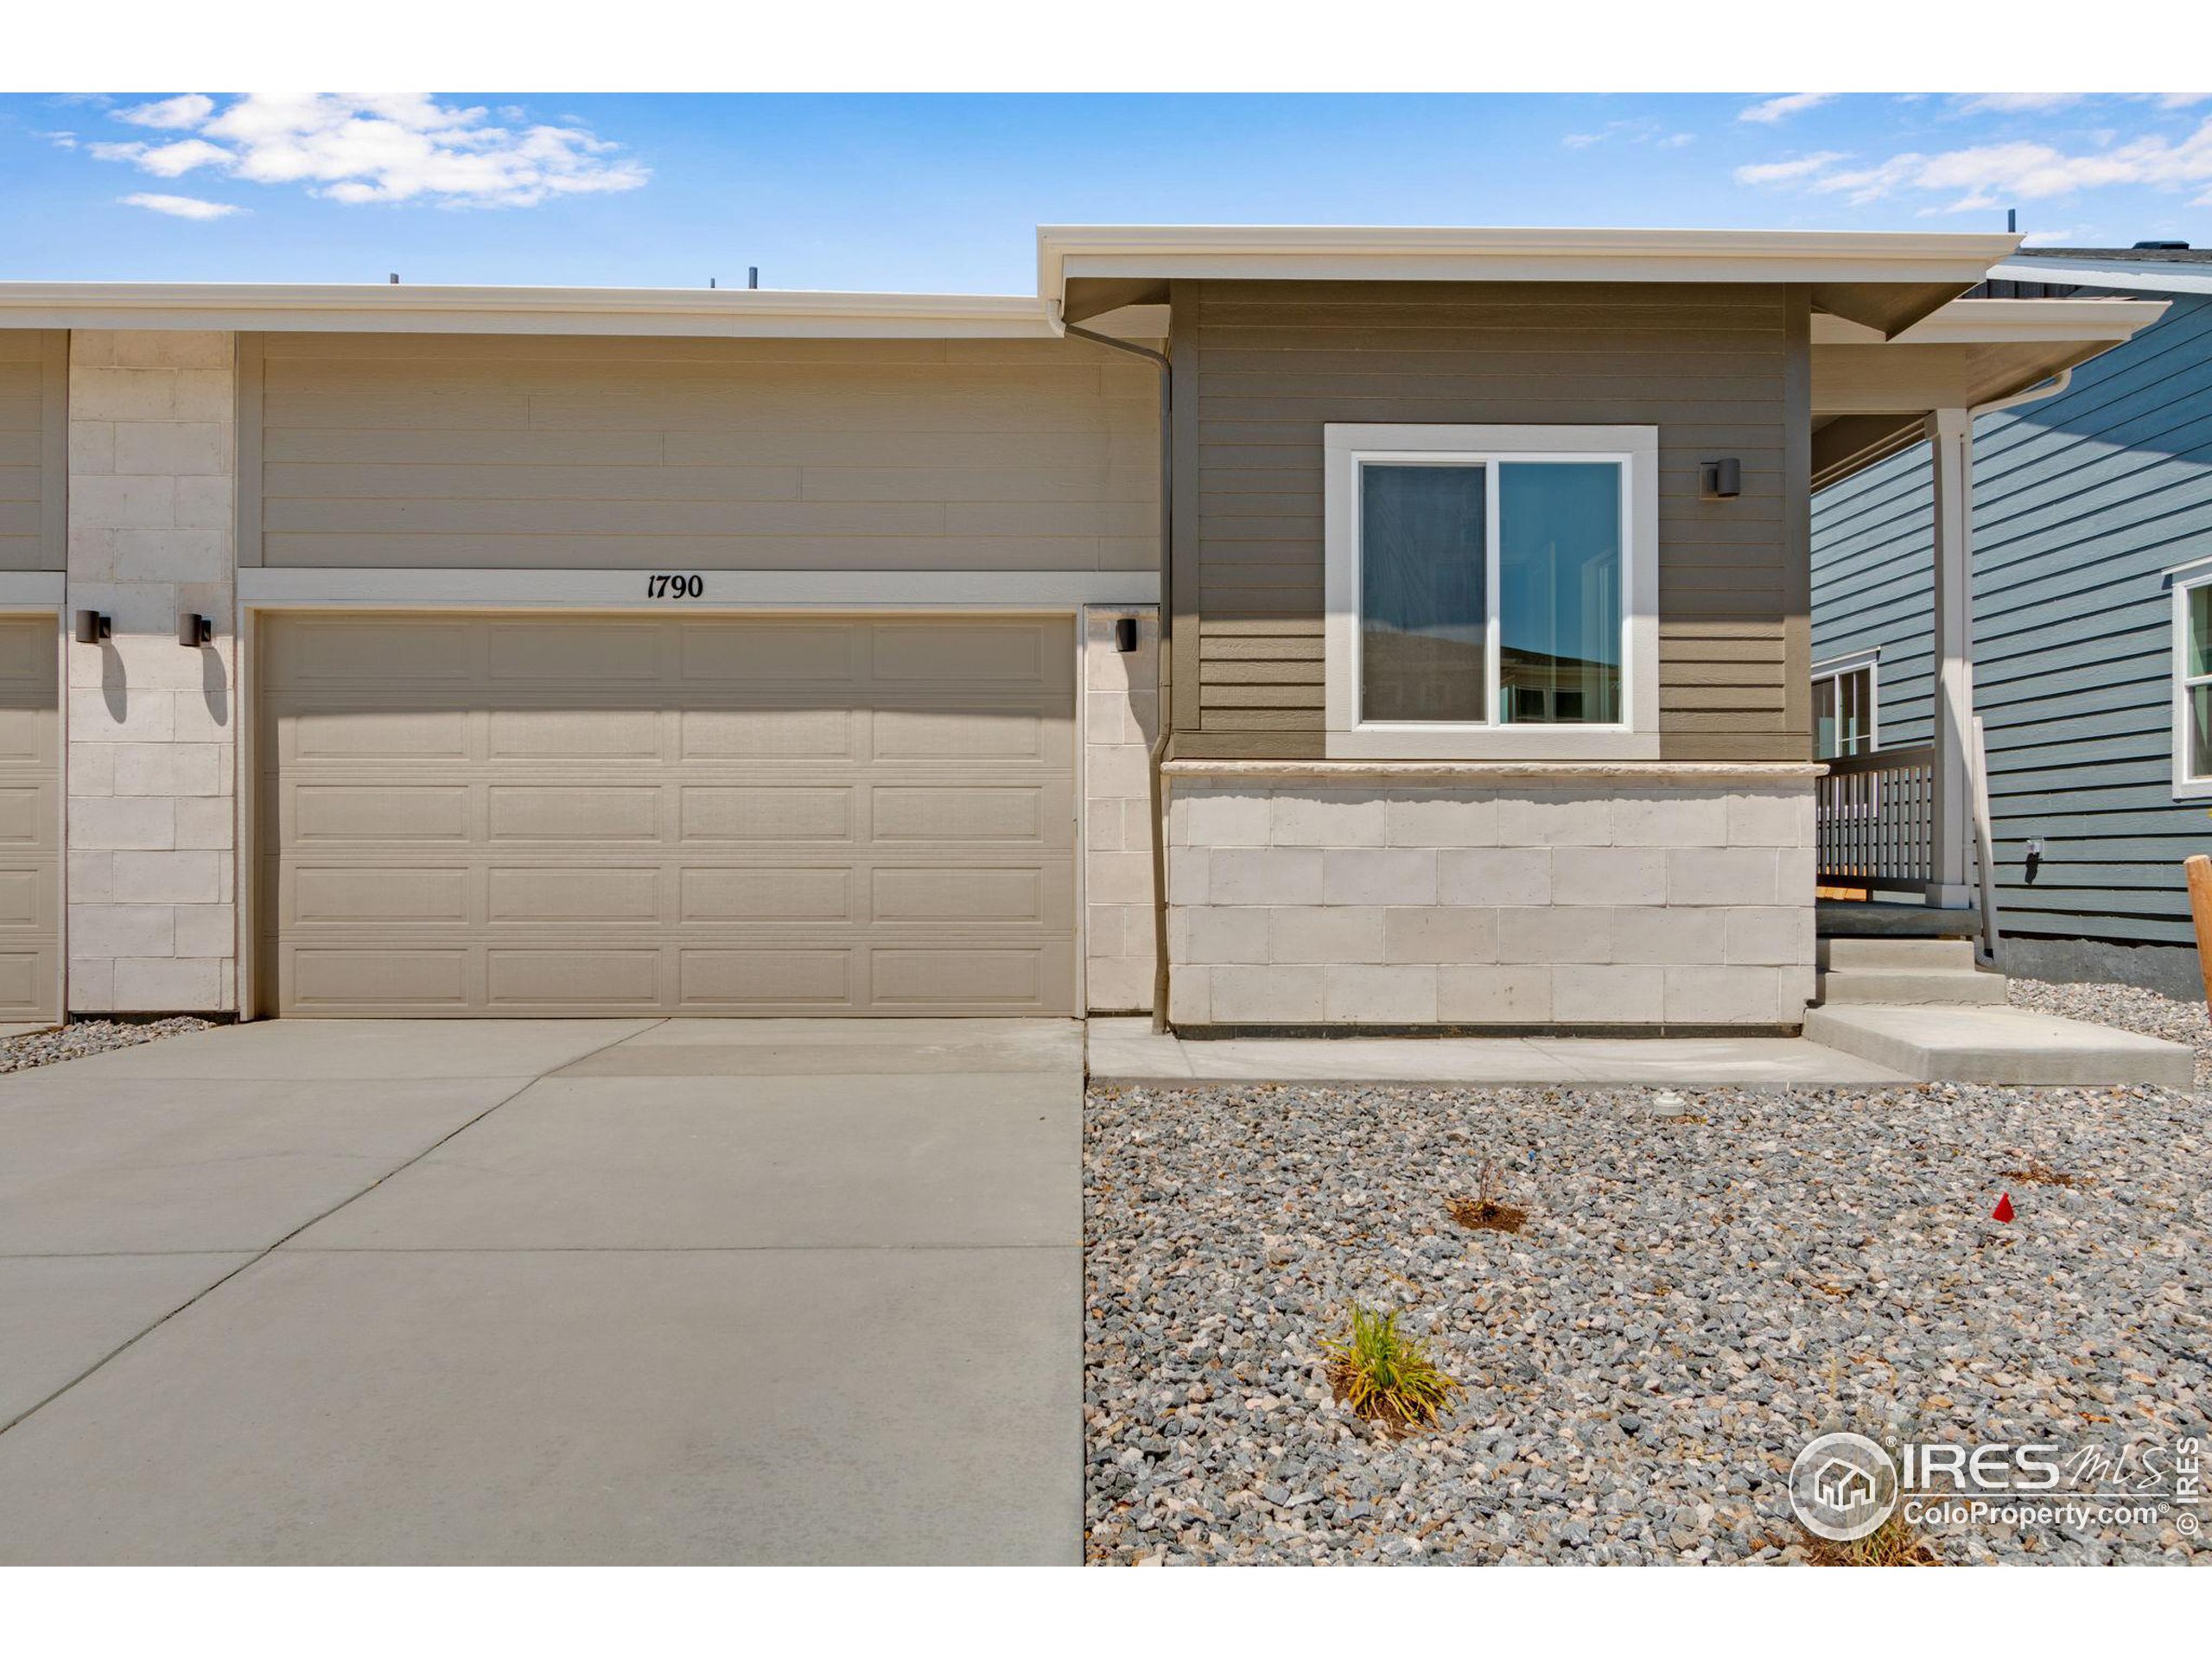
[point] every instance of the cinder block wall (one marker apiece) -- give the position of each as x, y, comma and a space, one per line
1121, 713
152, 755
1636, 906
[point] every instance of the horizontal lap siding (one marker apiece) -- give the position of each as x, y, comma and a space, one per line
29, 427
2081, 503
1275, 362
718, 455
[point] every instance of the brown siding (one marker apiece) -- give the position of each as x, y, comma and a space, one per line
34, 373
1720, 370
484, 451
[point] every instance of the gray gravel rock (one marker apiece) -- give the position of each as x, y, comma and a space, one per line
76, 1040
1692, 1300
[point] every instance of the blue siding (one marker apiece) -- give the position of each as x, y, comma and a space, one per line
2080, 502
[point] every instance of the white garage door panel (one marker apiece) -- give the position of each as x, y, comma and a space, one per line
29, 819
695, 816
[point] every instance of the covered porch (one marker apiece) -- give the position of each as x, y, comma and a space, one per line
1908, 825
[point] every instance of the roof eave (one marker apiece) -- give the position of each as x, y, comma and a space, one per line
405, 309
1066, 253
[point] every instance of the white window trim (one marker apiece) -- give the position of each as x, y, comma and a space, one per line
2186, 788
1636, 737
1834, 668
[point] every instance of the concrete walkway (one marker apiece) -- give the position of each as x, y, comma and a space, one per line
1126, 1051
546, 1291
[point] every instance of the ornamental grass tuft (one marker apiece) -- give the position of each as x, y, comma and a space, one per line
1385, 1376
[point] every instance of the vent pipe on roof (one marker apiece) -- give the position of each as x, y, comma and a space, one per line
753, 275
2013, 221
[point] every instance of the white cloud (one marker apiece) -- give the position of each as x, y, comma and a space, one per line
1982, 176
2015, 102
188, 110
1797, 167
1644, 131
1776, 109
377, 148
2066, 238
165, 161
182, 206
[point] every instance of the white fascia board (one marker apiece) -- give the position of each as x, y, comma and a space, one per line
1996, 322
400, 308
2159, 277
1466, 254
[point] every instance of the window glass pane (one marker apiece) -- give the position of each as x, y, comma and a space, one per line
2200, 629
1560, 600
1824, 733
1855, 724
1423, 617
2200, 731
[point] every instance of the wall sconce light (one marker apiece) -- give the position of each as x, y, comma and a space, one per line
93, 628
194, 630
1721, 480
1125, 633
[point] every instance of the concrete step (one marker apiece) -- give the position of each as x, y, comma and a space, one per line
1834, 918
1896, 955
2003, 1046
1895, 987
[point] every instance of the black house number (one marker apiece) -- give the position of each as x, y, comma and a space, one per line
669, 585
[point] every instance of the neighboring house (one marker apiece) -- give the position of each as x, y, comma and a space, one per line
392, 651
2092, 610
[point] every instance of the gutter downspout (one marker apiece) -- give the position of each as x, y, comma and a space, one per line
1164, 720
1978, 819
2034, 394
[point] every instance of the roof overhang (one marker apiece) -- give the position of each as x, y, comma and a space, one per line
2151, 275
1886, 282
1871, 396
406, 308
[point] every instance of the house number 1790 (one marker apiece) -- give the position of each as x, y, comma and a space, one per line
675, 587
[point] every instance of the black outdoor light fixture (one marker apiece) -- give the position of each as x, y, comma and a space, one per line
1125, 633
93, 628
1721, 480
194, 630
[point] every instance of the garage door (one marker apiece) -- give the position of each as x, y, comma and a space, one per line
604, 815
29, 864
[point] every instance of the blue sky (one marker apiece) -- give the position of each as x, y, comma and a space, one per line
942, 192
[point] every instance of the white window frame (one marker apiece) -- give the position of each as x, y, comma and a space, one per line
1834, 668
1636, 737
2185, 581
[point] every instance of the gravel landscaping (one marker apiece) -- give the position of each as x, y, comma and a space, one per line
1692, 1297
73, 1042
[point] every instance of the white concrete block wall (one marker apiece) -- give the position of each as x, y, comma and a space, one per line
1121, 713
1293, 903
152, 727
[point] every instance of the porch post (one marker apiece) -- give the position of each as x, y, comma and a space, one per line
1950, 435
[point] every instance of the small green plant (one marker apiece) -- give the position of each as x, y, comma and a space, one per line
1386, 1376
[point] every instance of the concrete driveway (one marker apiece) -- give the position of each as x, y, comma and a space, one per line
546, 1291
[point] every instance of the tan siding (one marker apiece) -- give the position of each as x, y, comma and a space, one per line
31, 415
1263, 367
714, 454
